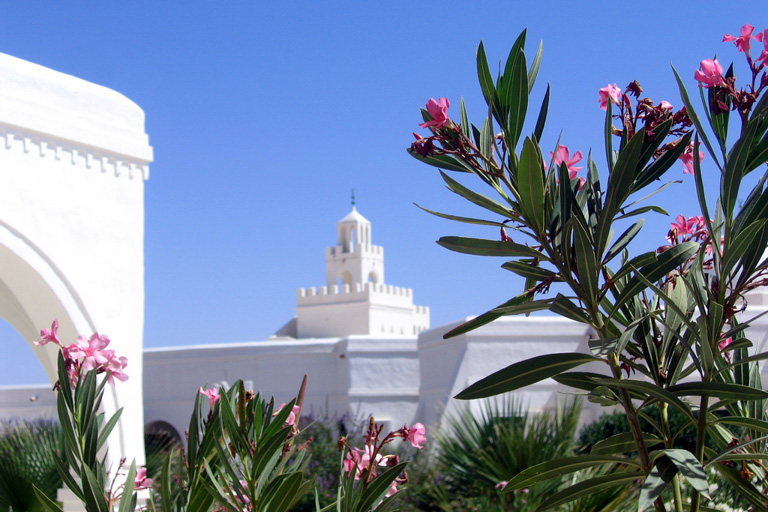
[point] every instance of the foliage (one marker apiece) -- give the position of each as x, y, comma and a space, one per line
324, 456
474, 456
664, 322
27, 452
240, 455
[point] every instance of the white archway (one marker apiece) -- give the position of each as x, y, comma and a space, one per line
73, 160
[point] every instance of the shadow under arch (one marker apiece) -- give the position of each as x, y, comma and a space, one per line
33, 292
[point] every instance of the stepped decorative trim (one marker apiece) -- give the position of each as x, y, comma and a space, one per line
14, 138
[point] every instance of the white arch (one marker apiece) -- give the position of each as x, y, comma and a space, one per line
73, 160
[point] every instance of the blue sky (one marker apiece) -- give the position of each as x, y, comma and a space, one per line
264, 115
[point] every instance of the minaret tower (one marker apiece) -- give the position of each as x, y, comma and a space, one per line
355, 299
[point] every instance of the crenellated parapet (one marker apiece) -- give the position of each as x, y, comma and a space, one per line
46, 146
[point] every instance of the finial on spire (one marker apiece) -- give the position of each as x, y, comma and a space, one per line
353, 198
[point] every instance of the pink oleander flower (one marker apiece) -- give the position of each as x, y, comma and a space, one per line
141, 481
564, 156
711, 73
115, 367
392, 489
763, 37
439, 112
742, 42
666, 105
49, 335
687, 159
415, 435
501, 485
723, 345
292, 416
684, 227
358, 460
92, 352
212, 394
610, 93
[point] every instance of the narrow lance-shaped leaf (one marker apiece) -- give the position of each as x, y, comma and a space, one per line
482, 247
525, 373
530, 181
488, 316
589, 487
472, 196
564, 466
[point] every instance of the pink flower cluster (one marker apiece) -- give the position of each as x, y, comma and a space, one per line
439, 112
363, 462
687, 159
291, 420
141, 481
86, 354
744, 42
610, 93
563, 155
212, 394
692, 227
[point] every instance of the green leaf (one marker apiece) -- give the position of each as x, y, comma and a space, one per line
719, 390
107, 428
586, 261
378, 488
589, 487
622, 443
128, 501
652, 391
559, 467
466, 220
624, 240
608, 133
542, 119
446, 162
524, 373
484, 75
662, 473
564, 307
620, 183
516, 99
741, 421
488, 316
482, 247
464, 120
665, 263
474, 197
690, 468
530, 182
48, 504
580, 380
283, 493
734, 170
527, 270
534, 71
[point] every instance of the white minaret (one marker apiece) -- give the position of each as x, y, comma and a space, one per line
354, 260
355, 299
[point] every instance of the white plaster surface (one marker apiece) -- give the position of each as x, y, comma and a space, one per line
73, 160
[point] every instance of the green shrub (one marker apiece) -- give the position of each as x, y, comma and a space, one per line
27, 452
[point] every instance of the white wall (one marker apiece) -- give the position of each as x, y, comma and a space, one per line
73, 160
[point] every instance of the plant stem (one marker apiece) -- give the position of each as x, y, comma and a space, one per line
700, 438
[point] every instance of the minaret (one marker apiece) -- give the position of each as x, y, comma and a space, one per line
355, 299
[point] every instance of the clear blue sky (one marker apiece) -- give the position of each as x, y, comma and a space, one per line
264, 115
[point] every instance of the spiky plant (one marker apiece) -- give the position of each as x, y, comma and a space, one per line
27, 451
478, 452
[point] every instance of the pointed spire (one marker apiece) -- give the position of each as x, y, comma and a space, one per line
353, 199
